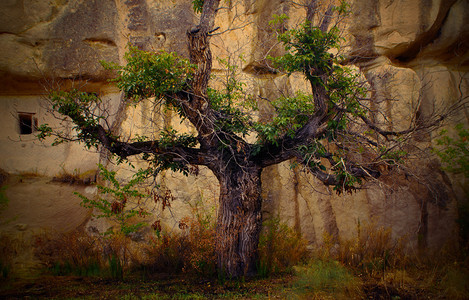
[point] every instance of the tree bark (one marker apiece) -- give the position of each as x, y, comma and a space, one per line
239, 220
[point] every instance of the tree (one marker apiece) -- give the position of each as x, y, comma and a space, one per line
326, 130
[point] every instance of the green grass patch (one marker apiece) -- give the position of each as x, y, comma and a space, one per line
326, 277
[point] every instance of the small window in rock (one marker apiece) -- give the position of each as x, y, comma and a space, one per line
27, 122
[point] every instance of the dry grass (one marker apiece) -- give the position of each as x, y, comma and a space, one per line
388, 270
165, 254
280, 248
326, 280
70, 253
371, 265
373, 250
8, 251
76, 177
191, 251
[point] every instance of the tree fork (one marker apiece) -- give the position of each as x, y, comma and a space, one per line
239, 218
198, 110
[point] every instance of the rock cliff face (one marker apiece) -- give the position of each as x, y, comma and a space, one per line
414, 54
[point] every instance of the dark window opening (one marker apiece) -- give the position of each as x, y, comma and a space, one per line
27, 122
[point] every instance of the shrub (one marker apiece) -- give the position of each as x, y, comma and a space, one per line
326, 277
280, 248
372, 250
201, 253
80, 254
114, 198
8, 250
193, 250
166, 253
70, 253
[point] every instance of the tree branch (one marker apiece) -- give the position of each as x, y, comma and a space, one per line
327, 18
124, 149
196, 107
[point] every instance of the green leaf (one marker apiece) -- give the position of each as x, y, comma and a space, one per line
198, 5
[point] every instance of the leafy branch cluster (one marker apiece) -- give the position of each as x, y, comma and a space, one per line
454, 152
81, 108
307, 50
337, 92
169, 139
114, 199
292, 113
197, 5
151, 74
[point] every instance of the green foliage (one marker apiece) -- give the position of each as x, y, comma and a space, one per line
344, 90
280, 248
291, 114
121, 195
310, 154
139, 138
454, 155
198, 5
307, 47
81, 108
454, 152
232, 119
170, 138
231, 103
44, 130
392, 156
343, 8
315, 150
321, 278
308, 50
150, 74
348, 182
278, 19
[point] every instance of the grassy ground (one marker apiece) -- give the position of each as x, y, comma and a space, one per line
160, 287
318, 280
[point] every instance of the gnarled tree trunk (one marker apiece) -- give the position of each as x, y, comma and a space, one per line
239, 220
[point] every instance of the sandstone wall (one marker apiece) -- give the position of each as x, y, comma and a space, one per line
413, 54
